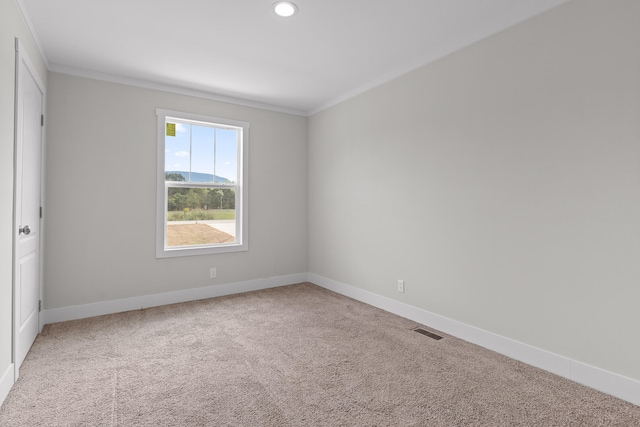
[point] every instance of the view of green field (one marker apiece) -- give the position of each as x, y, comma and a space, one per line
201, 214
188, 205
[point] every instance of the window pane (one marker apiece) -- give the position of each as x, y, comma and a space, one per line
226, 155
200, 216
202, 153
177, 153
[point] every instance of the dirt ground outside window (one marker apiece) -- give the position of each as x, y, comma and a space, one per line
195, 234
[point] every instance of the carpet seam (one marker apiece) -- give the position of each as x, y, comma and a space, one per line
114, 403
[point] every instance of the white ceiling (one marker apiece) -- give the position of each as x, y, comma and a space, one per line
239, 50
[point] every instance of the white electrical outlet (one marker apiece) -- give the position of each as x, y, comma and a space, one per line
212, 273
401, 286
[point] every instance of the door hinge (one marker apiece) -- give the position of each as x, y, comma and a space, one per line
42, 120
40, 212
39, 306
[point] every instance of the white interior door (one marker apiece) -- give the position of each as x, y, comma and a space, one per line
29, 109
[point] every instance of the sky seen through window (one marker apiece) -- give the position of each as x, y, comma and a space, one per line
202, 149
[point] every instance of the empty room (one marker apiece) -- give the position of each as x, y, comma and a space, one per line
357, 212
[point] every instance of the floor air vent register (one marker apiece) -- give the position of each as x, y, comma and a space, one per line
427, 333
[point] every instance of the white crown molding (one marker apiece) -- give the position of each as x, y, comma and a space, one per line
442, 51
469, 38
162, 87
77, 72
607, 382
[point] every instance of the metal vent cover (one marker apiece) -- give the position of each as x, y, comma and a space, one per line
427, 333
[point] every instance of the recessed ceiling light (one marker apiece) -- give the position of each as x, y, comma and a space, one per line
285, 8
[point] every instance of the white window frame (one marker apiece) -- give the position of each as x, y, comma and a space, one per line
241, 187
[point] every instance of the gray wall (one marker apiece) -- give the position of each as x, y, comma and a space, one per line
502, 183
11, 26
101, 195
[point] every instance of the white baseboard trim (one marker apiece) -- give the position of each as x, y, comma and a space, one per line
6, 382
608, 382
136, 303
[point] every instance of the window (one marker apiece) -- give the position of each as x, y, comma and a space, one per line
202, 185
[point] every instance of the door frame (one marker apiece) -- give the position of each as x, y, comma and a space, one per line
22, 59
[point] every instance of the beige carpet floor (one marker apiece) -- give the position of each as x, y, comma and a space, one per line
292, 356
